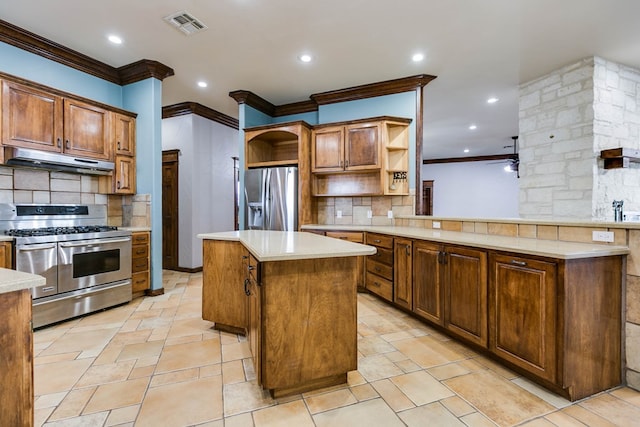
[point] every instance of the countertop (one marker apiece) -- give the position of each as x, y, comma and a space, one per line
12, 280
134, 229
291, 245
547, 248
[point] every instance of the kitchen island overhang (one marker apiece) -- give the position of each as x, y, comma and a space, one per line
294, 294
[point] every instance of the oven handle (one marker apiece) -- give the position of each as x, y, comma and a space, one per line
93, 242
36, 247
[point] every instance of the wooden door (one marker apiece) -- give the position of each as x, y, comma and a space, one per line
427, 281
402, 270
124, 134
427, 198
362, 146
170, 209
327, 149
466, 294
522, 328
31, 118
86, 130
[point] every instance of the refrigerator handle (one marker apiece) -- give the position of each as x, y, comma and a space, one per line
266, 202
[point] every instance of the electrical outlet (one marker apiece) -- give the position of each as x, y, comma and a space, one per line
338, 214
390, 214
603, 236
435, 224
369, 214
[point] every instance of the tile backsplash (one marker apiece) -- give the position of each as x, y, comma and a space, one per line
45, 187
363, 210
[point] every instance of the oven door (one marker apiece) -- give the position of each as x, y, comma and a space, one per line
39, 258
86, 263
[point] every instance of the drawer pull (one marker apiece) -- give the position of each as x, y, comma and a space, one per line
516, 262
376, 241
48, 288
377, 269
247, 292
376, 284
140, 251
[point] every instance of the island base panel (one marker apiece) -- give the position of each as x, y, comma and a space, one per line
309, 386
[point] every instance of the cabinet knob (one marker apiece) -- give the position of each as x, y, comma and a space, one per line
67, 144
59, 143
118, 145
118, 185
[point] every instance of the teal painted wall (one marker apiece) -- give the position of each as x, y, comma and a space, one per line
143, 98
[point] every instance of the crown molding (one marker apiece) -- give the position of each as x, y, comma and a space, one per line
371, 90
33, 43
184, 108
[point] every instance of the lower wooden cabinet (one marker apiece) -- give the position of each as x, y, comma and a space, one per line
16, 359
6, 251
140, 249
427, 281
379, 266
403, 273
356, 237
252, 290
224, 301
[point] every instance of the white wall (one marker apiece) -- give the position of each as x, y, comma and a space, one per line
205, 173
472, 189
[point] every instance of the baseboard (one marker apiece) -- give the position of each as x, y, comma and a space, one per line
186, 270
154, 292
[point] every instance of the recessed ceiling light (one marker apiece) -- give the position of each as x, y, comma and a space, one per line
202, 84
492, 100
473, 127
417, 57
466, 150
115, 39
305, 57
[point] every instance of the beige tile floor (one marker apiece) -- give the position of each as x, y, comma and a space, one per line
155, 362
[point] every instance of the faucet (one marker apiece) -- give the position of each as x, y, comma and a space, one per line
617, 210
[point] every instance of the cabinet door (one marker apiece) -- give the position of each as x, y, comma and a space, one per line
124, 134
362, 146
6, 259
466, 293
523, 305
327, 150
223, 298
402, 270
125, 175
86, 130
427, 281
31, 118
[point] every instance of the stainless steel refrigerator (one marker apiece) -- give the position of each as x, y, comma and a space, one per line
271, 199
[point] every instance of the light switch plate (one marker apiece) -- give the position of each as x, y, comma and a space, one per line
338, 214
390, 214
602, 236
369, 214
435, 224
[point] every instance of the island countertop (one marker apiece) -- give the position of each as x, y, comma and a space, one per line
12, 280
291, 245
547, 248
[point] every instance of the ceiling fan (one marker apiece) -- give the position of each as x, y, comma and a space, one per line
513, 160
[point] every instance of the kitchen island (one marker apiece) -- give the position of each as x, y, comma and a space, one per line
16, 347
294, 295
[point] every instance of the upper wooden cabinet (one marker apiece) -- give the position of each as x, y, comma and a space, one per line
361, 158
346, 148
33, 118
123, 134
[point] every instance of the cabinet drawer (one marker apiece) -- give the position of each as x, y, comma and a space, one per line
140, 238
380, 240
384, 256
140, 281
351, 236
379, 286
140, 251
139, 264
383, 270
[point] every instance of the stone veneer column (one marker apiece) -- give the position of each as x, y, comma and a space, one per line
566, 118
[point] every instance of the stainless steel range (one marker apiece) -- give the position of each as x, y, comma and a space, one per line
86, 263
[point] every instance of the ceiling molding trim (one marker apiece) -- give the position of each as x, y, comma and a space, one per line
143, 69
184, 108
296, 108
33, 43
371, 90
253, 100
470, 159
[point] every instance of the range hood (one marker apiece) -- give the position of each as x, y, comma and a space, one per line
57, 162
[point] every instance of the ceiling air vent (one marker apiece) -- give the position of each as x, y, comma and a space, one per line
185, 23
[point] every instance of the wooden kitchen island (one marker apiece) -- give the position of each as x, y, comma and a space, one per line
294, 295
